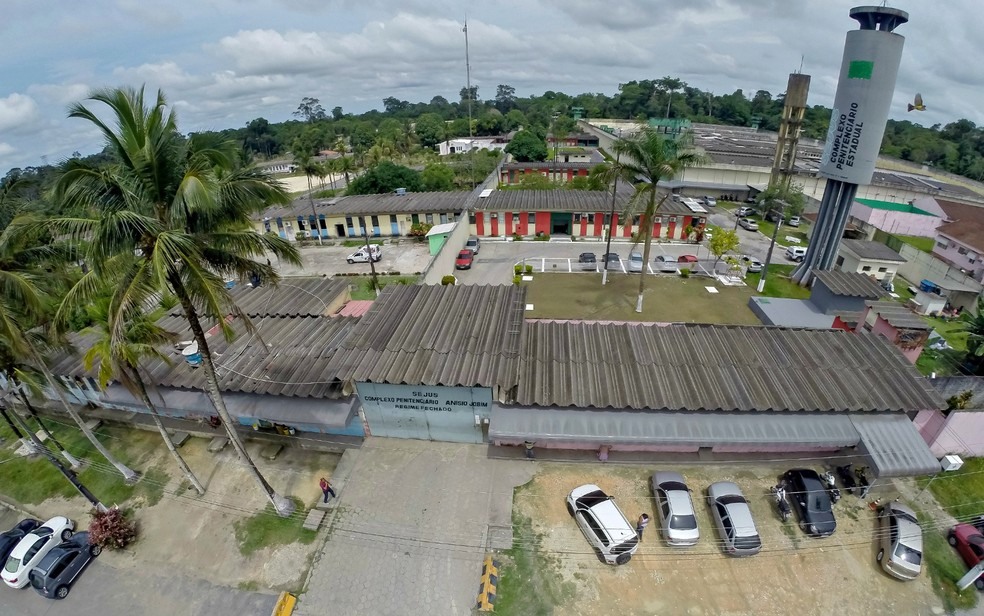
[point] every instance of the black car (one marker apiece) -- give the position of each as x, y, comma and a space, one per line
10, 539
809, 497
587, 261
55, 574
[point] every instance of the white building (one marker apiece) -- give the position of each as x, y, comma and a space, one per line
467, 144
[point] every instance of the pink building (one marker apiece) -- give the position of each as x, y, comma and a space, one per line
960, 241
906, 330
896, 218
955, 430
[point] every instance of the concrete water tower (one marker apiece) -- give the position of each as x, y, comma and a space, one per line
869, 68
790, 127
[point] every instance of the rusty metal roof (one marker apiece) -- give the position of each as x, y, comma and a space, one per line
437, 335
716, 368
367, 205
876, 251
291, 297
850, 284
898, 316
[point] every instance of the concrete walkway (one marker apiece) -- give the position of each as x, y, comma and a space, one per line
412, 526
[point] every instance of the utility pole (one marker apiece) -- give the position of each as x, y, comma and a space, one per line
611, 217
772, 245
372, 266
471, 134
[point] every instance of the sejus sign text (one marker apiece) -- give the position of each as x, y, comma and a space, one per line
472, 400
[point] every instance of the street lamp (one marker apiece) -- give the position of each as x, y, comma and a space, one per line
775, 234
611, 216
372, 266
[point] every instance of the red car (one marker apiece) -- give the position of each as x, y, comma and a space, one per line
464, 260
687, 259
970, 545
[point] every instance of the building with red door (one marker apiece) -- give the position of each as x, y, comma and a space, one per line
576, 213
555, 171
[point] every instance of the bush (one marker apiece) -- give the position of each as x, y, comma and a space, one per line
541, 237
299, 236
111, 529
517, 269
517, 237
517, 279
684, 272
447, 280
529, 269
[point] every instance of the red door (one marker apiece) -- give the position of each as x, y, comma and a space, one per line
495, 225
479, 223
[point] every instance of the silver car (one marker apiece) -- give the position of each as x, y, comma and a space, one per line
675, 509
901, 549
635, 262
733, 519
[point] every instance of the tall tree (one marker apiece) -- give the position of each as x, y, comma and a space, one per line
505, 98
310, 110
670, 85
526, 146
311, 169
184, 209
647, 158
119, 357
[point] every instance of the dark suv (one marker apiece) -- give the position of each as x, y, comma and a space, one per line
55, 574
812, 502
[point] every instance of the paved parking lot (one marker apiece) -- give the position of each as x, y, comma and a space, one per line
406, 257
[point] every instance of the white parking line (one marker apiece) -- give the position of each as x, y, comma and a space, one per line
543, 265
569, 268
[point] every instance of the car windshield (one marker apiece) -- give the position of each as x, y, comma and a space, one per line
625, 546
635, 256
748, 543
907, 554
683, 522
592, 498
13, 564
901, 515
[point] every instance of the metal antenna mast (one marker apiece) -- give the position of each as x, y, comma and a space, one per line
468, 79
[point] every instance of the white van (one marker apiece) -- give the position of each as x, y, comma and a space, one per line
361, 256
796, 253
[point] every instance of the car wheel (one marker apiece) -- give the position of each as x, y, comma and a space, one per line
623, 558
881, 554
66, 534
61, 592
351, 261
600, 556
570, 509
951, 539
979, 584
95, 550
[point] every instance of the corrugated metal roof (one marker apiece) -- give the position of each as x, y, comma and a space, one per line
466, 335
695, 429
365, 205
564, 200
894, 446
714, 367
549, 165
291, 297
850, 284
872, 250
899, 316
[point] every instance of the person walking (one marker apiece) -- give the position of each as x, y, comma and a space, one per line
529, 449
641, 525
327, 489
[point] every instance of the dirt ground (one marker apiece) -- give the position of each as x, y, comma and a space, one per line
794, 574
195, 534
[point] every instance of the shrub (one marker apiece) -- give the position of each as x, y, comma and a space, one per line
517, 237
299, 236
517, 279
529, 269
446, 280
517, 269
684, 272
542, 237
111, 529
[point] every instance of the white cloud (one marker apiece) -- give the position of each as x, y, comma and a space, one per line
18, 113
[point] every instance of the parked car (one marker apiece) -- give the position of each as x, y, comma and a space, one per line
811, 501
750, 200
744, 211
665, 263
587, 261
748, 224
901, 541
10, 538
675, 509
603, 524
464, 260
752, 265
612, 259
687, 259
710, 201
636, 263
733, 519
32, 548
473, 244
794, 221
54, 575
773, 216
362, 255
969, 543
796, 253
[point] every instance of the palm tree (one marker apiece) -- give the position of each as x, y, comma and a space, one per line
22, 311
646, 158
345, 163
973, 324
120, 358
311, 169
184, 209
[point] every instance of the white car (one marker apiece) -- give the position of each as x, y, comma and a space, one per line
32, 548
603, 524
361, 256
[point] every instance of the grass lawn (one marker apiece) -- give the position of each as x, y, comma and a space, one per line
945, 567
924, 244
768, 228
33, 480
959, 492
360, 243
778, 284
268, 528
668, 299
362, 285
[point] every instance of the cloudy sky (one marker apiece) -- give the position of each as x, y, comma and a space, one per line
222, 63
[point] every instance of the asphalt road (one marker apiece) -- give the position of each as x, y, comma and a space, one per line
115, 585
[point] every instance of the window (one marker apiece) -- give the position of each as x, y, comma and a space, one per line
531, 218
591, 219
577, 217
471, 218
607, 220
962, 250
635, 220
594, 526
866, 268
430, 218
882, 270
840, 261
393, 220
944, 245
375, 221
348, 222
515, 219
